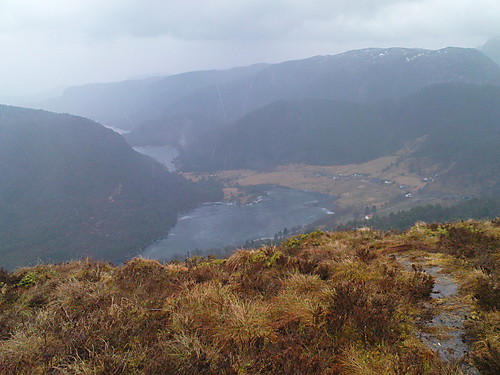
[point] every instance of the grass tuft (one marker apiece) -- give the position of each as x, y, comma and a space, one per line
320, 303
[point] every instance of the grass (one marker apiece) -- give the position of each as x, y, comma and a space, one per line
318, 178
320, 303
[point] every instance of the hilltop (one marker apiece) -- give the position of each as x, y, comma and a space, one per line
356, 302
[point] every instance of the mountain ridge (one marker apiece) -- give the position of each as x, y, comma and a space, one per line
172, 109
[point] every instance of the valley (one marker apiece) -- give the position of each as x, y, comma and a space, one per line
376, 131
375, 183
385, 183
250, 187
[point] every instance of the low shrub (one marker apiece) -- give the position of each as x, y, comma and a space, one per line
487, 292
321, 303
486, 356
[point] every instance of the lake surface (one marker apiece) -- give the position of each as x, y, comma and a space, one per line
163, 154
224, 224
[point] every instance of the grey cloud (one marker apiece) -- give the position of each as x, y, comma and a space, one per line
227, 19
93, 20
191, 19
78, 41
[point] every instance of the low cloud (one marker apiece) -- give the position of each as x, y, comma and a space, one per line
245, 19
79, 40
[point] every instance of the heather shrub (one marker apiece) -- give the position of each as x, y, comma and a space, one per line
486, 356
418, 285
487, 292
321, 303
357, 311
466, 240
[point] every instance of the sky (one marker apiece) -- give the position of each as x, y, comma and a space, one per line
50, 44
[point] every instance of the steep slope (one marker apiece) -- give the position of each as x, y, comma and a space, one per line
362, 75
71, 187
459, 122
313, 131
462, 128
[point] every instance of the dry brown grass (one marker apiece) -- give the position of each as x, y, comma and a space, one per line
353, 192
321, 303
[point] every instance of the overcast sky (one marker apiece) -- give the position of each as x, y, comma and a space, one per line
46, 44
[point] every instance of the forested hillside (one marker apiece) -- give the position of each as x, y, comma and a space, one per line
70, 188
402, 220
454, 126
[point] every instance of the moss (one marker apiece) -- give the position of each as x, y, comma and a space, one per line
28, 280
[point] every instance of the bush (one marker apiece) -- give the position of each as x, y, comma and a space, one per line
486, 357
324, 303
355, 310
465, 240
487, 292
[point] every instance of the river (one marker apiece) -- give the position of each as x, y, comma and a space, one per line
162, 154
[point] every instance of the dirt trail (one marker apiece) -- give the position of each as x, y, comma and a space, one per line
444, 332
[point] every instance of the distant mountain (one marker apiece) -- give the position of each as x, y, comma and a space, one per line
70, 187
174, 109
314, 131
492, 49
460, 126
359, 76
129, 103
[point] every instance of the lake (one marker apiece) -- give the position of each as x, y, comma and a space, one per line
163, 154
225, 224
219, 225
